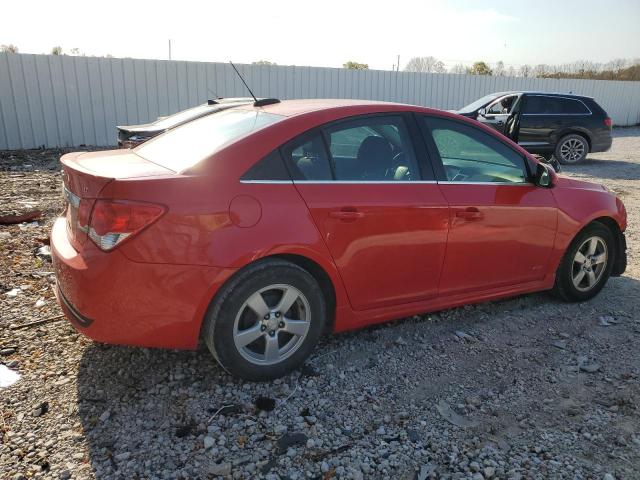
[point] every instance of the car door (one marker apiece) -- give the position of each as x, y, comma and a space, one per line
540, 117
502, 225
497, 113
381, 214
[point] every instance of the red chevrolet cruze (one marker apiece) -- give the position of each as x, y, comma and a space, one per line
260, 227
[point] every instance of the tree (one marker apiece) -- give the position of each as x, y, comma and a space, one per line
56, 51
8, 48
541, 70
76, 51
351, 65
458, 69
264, 62
498, 71
425, 65
480, 68
525, 71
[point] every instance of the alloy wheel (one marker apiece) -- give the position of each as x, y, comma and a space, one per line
589, 263
272, 324
572, 150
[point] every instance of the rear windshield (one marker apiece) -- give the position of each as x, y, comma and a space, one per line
184, 146
183, 116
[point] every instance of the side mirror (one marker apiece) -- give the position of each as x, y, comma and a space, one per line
482, 112
543, 176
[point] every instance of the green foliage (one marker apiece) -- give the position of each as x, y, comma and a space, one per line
480, 68
351, 65
56, 51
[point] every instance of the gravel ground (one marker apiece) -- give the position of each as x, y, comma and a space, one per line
524, 388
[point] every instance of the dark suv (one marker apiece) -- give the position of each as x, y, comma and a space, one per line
565, 125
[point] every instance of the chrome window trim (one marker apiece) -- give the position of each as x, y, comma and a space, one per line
268, 181
367, 182
556, 114
515, 184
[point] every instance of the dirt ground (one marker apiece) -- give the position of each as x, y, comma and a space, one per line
488, 391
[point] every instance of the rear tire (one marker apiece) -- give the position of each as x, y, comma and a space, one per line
266, 321
571, 149
586, 265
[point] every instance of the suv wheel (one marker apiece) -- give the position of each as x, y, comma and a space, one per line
571, 149
266, 321
586, 265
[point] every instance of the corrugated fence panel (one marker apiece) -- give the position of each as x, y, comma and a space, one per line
48, 100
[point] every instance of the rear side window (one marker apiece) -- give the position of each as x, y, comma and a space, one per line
270, 167
568, 105
372, 149
470, 155
308, 159
541, 105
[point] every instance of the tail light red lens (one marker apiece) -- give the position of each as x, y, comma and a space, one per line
114, 220
608, 122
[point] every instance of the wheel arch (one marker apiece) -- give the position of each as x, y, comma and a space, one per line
619, 259
576, 131
306, 263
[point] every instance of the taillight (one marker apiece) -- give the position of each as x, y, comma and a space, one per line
114, 220
608, 122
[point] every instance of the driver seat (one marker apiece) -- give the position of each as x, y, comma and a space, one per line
375, 158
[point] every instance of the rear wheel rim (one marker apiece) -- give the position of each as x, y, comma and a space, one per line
589, 263
272, 324
572, 150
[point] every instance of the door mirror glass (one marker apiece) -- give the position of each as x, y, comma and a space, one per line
543, 176
482, 112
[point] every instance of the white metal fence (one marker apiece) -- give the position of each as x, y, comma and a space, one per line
68, 101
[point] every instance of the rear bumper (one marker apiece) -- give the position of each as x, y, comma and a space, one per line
601, 143
112, 299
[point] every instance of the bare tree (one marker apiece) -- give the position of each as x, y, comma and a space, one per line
525, 71
458, 69
8, 48
512, 72
264, 62
498, 70
425, 65
540, 70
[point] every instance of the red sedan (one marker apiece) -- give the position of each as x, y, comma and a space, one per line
261, 227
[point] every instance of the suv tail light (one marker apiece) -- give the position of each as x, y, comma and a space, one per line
608, 122
112, 221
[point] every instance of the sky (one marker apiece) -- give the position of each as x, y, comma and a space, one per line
328, 33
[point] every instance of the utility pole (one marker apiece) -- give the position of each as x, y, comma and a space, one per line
169, 49
398, 64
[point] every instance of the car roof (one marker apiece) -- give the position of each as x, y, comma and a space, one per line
291, 108
537, 92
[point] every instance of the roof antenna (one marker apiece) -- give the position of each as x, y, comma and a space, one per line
256, 103
245, 83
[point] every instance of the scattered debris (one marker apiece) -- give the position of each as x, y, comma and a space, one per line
7, 376
13, 292
41, 409
452, 417
400, 341
220, 469
465, 336
607, 320
40, 303
44, 252
289, 440
265, 403
308, 370
425, 471
561, 344
25, 217
209, 442
36, 322
588, 366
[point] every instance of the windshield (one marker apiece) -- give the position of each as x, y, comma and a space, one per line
183, 147
481, 102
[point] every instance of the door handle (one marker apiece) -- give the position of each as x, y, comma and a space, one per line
346, 214
470, 213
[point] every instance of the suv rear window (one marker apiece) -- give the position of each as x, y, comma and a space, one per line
188, 144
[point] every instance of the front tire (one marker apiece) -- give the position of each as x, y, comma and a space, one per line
586, 265
572, 149
266, 321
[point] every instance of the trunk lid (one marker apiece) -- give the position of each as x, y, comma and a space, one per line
84, 176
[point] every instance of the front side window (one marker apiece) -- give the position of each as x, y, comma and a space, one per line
470, 155
502, 106
372, 149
